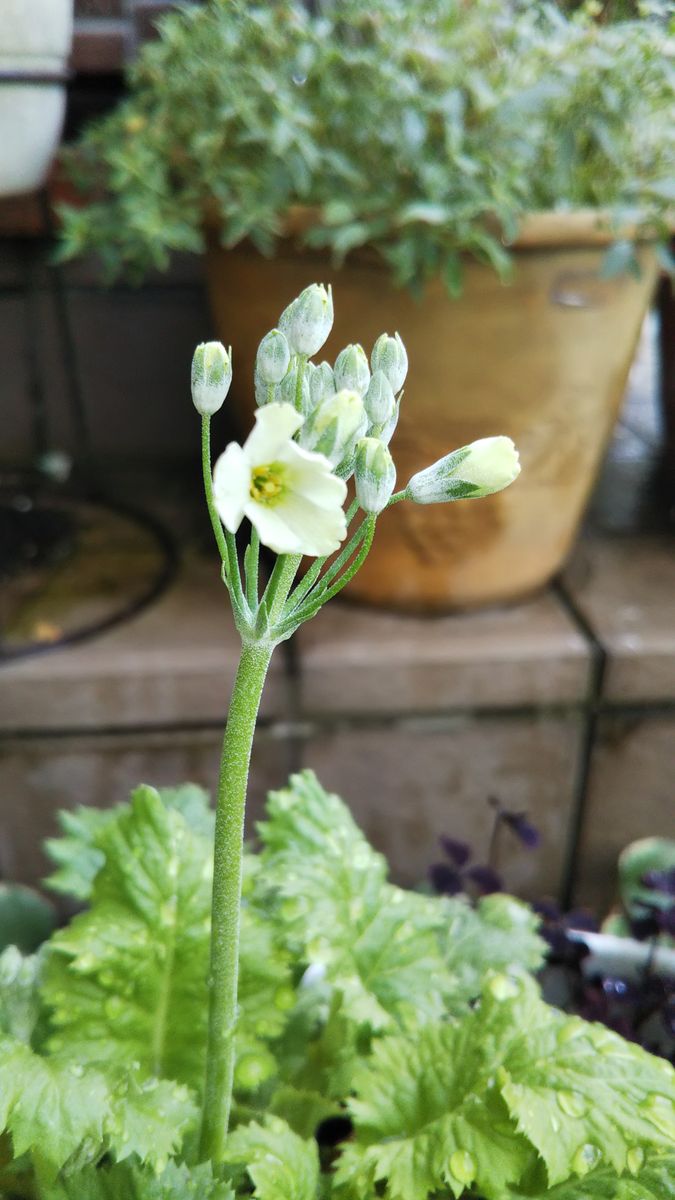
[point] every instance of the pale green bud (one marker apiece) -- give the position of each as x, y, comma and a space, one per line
308, 320
334, 428
388, 430
374, 475
484, 467
211, 377
273, 357
379, 400
265, 393
351, 370
389, 356
321, 382
288, 389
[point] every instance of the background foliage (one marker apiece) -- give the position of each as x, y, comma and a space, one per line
423, 129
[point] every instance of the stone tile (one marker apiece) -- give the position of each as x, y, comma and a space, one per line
408, 783
625, 588
354, 659
631, 795
42, 775
172, 664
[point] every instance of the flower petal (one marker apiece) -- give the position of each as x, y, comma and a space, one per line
274, 427
319, 529
231, 485
311, 475
272, 528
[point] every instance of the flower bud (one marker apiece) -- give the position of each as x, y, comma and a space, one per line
334, 428
211, 377
379, 400
308, 320
321, 383
389, 428
484, 467
374, 475
351, 370
273, 358
265, 393
288, 389
389, 356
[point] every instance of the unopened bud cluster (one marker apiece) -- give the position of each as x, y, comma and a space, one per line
350, 409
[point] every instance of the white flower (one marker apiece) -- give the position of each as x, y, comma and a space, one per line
483, 467
289, 494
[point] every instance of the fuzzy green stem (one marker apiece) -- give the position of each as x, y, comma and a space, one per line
251, 564
225, 540
225, 913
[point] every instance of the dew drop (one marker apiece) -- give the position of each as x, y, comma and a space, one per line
463, 1166
76, 1070
572, 1104
503, 988
661, 1112
586, 1157
635, 1159
299, 79
113, 1007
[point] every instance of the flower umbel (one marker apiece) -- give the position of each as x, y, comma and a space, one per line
288, 494
483, 467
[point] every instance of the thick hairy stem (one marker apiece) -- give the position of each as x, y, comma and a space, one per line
225, 913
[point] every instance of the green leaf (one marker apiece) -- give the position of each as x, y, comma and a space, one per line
62, 1112
78, 855
126, 979
476, 1102
501, 933
653, 1180
379, 944
26, 918
127, 1182
280, 1165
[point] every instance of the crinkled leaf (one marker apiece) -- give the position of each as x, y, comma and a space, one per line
127, 1182
499, 934
66, 1113
581, 1094
472, 1101
78, 855
280, 1165
652, 1180
126, 980
379, 944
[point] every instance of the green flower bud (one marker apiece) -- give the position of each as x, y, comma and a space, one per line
484, 467
389, 356
308, 320
334, 428
265, 393
273, 357
374, 474
288, 388
211, 377
351, 370
379, 400
321, 382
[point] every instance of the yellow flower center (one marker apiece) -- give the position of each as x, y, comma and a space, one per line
268, 483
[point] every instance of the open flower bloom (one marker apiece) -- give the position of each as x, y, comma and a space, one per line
288, 494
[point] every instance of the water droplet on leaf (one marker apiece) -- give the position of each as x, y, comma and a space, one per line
586, 1157
572, 1104
463, 1166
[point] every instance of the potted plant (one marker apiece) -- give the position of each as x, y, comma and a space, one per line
217, 1024
35, 37
415, 152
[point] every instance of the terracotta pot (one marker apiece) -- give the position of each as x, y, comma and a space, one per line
35, 39
543, 360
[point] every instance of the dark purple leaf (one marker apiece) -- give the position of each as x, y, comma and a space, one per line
524, 830
547, 909
666, 920
458, 852
485, 879
445, 879
645, 927
581, 918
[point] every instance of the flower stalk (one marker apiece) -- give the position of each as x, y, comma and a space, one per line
313, 432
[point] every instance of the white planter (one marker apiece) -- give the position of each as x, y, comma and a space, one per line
35, 37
